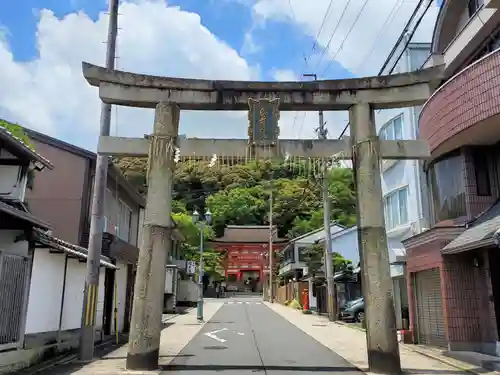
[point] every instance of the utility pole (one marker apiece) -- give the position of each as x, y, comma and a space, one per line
91, 290
271, 291
332, 299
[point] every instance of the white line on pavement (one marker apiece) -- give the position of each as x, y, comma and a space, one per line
212, 334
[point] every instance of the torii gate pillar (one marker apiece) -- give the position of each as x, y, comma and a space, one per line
381, 335
147, 309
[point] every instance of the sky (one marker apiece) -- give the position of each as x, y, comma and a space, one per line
43, 42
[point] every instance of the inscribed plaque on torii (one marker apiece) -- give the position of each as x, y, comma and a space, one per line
263, 117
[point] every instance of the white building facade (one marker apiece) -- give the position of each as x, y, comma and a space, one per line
403, 182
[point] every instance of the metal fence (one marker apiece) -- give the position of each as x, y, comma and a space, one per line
13, 274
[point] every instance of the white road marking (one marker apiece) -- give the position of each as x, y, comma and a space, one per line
212, 334
243, 302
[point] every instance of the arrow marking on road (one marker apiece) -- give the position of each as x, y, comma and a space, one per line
212, 334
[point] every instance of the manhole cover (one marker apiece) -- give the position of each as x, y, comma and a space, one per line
215, 347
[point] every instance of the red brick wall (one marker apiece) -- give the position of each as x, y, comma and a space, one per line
469, 314
465, 289
466, 99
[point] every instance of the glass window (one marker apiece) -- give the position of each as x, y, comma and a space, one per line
398, 128
392, 130
446, 179
481, 168
396, 208
474, 6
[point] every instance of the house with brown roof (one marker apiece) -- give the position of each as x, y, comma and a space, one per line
28, 262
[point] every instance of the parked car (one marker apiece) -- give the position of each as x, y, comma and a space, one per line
354, 310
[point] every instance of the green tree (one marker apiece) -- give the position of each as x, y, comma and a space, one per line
239, 194
314, 254
212, 259
313, 257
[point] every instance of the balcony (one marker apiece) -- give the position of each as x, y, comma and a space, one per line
465, 110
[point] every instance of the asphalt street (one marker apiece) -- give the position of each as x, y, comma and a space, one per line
245, 336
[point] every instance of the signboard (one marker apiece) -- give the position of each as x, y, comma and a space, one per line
191, 267
263, 117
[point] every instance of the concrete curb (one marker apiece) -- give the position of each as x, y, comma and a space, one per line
471, 369
58, 361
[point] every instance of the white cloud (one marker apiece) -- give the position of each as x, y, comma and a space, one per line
370, 40
50, 94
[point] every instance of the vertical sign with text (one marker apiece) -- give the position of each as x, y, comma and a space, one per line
263, 118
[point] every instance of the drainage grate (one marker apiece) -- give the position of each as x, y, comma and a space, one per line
319, 325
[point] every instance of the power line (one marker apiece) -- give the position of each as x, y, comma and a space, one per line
387, 22
325, 17
292, 11
410, 36
398, 41
401, 36
345, 38
332, 35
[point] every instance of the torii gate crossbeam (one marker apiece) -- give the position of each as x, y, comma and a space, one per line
168, 96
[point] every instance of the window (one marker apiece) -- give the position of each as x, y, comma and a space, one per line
474, 6
492, 43
302, 253
480, 161
289, 256
446, 180
124, 221
392, 130
396, 208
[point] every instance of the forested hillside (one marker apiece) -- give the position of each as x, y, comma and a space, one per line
239, 194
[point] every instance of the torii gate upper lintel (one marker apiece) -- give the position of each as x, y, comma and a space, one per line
360, 96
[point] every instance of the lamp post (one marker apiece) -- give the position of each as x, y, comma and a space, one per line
196, 219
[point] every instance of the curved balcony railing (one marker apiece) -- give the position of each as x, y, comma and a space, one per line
456, 114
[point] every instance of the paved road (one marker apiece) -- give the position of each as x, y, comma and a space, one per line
248, 337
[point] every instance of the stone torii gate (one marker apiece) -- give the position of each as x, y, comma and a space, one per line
169, 95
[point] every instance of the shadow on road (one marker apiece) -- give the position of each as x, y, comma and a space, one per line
292, 369
257, 368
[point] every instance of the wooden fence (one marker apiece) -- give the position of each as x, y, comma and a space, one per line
291, 291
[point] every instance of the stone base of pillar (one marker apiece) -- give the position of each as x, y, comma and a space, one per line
147, 361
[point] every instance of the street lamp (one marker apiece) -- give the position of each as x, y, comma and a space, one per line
208, 220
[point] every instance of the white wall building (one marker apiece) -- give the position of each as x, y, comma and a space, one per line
403, 181
293, 262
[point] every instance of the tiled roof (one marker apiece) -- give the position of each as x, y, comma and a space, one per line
249, 233
478, 234
17, 210
47, 239
22, 150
